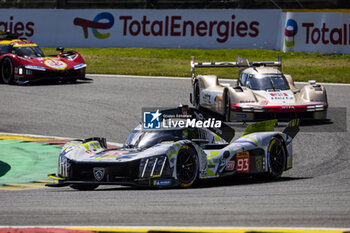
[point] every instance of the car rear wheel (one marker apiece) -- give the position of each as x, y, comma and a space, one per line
227, 107
84, 187
276, 157
186, 166
7, 70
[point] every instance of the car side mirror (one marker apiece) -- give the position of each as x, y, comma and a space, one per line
226, 154
312, 82
61, 49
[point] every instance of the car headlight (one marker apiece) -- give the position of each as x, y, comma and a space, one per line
313, 108
258, 109
24, 71
152, 167
63, 166
253, 109
246, 109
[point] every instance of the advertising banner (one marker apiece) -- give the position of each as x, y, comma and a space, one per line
318, 32
206, 29
323, 32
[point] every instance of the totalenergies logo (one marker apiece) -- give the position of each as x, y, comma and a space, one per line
96, 24
289, 32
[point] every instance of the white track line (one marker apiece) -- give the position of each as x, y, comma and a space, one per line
188, 78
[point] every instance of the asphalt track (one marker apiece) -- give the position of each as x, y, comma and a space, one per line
315, 193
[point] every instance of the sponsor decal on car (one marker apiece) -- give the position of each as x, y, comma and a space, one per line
55, 64
230, 165
110, 155
162, 182
99, 173
246, 101
259, 163
280, 96
242, 162
264, 102
241, 115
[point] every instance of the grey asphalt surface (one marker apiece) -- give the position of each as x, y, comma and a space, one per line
315, 193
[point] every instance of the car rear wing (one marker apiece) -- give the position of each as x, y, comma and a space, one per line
7, 35
291, 130
240, 62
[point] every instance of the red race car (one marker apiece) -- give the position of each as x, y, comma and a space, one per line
23, 62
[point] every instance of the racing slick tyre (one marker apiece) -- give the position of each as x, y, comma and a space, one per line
186, 166
227, 107
196, 95
276, 158
7, 70
84, 187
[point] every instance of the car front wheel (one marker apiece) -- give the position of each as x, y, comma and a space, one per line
7, 71
186, 166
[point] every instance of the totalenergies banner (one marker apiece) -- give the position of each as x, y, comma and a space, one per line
207, 29
145, 28
319, 32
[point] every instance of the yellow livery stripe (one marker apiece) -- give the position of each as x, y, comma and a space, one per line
250, 138
25, 45
23, 186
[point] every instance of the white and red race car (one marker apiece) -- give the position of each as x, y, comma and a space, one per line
262, 92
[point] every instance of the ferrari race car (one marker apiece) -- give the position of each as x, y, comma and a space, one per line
262, 92
22, 62
177, 155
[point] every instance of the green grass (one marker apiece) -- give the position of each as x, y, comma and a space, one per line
176, 62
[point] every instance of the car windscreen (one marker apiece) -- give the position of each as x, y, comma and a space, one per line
146, 139
267, 82
28, 51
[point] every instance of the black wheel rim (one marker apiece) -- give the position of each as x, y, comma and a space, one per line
186, 167
277, 155
6, 71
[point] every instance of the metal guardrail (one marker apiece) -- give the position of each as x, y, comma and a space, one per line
176, 4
